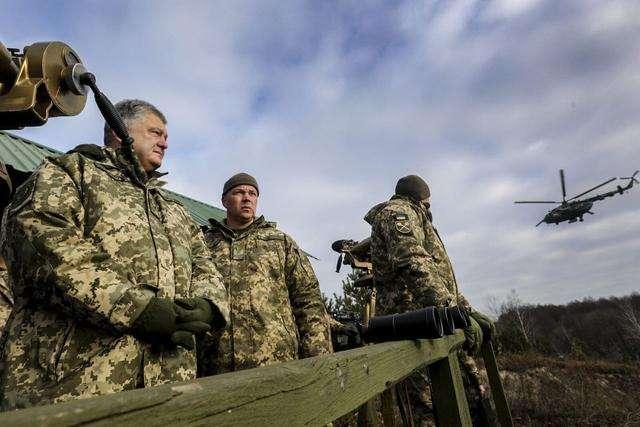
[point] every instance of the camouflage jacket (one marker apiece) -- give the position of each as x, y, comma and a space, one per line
277, 312
6, 299
88, 240
411, 267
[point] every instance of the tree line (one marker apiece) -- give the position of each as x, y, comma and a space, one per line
604, 328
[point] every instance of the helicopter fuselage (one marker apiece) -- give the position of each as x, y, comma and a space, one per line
571, 211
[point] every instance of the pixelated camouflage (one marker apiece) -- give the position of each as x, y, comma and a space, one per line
6, 299
411, 267
277, 313
88, 240
412, 270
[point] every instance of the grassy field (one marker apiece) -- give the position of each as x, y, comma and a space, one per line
556, 392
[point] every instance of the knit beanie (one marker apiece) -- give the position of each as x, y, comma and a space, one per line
240, 179
414, 187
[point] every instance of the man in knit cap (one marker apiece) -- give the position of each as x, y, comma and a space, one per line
412, 270
277, 312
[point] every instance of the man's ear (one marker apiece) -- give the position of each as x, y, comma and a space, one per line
223, 200
111, 140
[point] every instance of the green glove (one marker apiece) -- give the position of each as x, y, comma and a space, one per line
183, 339
488, 326
157, 321
194, 310
473, 336
157, 324
200, 310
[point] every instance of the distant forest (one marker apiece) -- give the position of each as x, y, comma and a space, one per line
605, 328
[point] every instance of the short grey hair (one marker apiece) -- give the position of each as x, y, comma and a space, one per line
131, 110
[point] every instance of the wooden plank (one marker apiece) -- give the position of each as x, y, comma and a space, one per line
367, 416
449, 399
497, 392
388, 411
312, 391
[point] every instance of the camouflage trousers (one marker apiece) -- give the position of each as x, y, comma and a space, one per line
418, 390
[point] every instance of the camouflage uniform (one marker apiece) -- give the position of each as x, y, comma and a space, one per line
6, 299
88, 240
412, 270
277, 313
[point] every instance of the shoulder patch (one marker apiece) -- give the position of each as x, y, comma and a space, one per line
401, 217
402, 225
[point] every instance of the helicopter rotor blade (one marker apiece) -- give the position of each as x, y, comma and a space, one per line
530, 201
564, 190
594, 188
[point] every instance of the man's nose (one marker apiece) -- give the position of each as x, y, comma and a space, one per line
163, 143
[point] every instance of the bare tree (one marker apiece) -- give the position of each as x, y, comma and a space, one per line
631, 320
495, 306
515, 305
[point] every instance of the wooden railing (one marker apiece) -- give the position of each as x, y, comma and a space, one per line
312, 391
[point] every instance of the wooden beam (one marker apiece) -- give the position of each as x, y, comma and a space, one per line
447, 393
388, 408
312, 391
497, 392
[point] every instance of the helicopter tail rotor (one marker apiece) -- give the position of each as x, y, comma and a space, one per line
632, 177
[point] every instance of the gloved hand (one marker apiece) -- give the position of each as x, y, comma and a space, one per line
486, 323
157, 321
157, 324
194, 310
473, 336
183, 339
346, 336
197, 315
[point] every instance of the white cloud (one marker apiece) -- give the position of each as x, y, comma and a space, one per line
329, 105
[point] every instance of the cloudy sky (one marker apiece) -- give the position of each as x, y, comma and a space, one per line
329, 103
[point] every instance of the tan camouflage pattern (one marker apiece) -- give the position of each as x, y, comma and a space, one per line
411, 270
411, 267
6, 299
277, 312
88, 240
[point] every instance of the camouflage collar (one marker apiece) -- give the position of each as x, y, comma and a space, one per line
417, 207
130, 164
405, 198
260, 222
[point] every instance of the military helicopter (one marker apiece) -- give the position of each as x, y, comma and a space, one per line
572, 210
